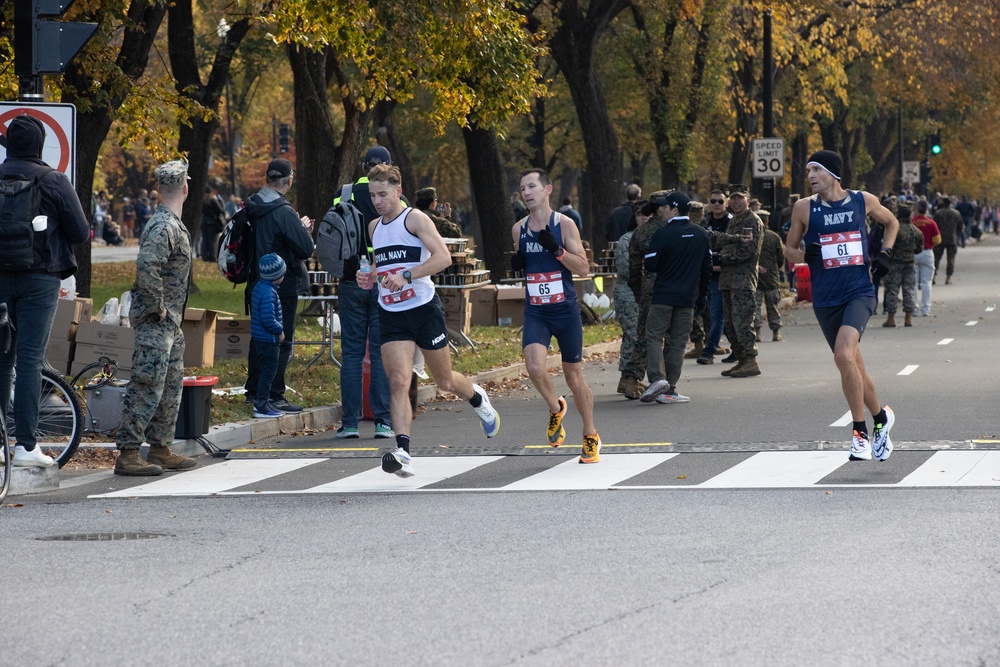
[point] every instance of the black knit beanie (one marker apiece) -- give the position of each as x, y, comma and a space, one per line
829, 161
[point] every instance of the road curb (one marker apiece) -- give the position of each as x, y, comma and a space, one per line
239, 434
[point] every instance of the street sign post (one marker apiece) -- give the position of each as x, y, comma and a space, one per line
911, 171
768, 158
59, 150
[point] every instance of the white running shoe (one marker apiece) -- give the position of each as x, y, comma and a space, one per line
861, 449
654, 390
487, 415
881, 444
398, 463
672, 398
36, 458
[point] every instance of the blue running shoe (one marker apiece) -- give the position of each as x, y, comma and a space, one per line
487, 415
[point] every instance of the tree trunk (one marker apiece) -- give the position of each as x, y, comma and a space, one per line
94, 123
492, 212
800, 153
385, 134
196, 139
573, 47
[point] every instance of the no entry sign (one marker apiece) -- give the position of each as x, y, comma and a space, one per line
59, 151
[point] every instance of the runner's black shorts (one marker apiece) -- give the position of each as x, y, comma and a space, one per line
424, 325
855, 313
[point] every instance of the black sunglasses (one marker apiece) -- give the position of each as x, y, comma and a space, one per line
717, 201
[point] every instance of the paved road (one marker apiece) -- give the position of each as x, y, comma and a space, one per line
772, 549
102, 254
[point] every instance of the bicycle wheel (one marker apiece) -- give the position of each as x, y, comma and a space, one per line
5, 463
60, 418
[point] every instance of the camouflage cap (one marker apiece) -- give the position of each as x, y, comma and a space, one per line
660, 197
739, 189
429, 194
697, 206
174, 172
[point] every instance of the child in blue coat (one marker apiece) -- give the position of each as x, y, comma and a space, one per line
266, 330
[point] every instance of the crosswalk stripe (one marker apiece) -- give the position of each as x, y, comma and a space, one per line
611, 469
429, 471
908, 370
779, 469
957, 469
215, 478
945, 341
843, 421
775, 469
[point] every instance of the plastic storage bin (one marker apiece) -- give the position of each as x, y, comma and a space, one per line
195, 412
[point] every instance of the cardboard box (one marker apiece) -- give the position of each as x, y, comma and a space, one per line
69, 313
199, 336
121, 374
510, 305
88, 353
59, 354
229, 325
107, 335
484, 306
231, 345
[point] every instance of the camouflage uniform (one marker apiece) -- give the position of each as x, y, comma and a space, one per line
640, 282
909, 242
153, 396
772, 258
446, 228
626, 308
738, 280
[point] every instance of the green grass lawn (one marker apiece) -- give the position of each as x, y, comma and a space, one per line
319, 385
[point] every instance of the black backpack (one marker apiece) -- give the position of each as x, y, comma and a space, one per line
341, 235
237, 249
20, 247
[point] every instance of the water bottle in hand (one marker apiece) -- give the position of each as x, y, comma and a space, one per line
365, 271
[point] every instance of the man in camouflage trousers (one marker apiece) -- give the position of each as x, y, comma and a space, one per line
640, 282
909, 243
159, 294
739, 250
626, 308
772, 258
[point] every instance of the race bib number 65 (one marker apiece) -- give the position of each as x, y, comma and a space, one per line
545, 288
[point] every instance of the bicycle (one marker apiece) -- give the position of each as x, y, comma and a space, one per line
61, 410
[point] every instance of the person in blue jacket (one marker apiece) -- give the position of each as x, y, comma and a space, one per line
267, 330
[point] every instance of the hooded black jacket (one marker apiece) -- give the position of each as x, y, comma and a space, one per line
278, 229
67, 221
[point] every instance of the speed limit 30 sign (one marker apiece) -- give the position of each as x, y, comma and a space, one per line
769, 158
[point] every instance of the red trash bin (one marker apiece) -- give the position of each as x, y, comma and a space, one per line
195, 413
803, 283
366, 381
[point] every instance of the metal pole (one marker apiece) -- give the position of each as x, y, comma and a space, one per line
229, 135
768, 93
899, 119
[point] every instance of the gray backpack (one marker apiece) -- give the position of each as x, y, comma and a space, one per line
341, 234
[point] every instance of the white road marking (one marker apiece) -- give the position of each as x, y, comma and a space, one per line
945, 341
214, 478
843, 421
990, 309
908, 370
610, 470
428, 471
778, 469
952, 468
972, 323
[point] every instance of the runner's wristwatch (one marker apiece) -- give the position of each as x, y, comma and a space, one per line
561, 253
408, 276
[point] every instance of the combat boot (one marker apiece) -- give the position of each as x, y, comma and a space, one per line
166, 459
747, 367
947, 281
621, 384
756, 333
890, 321
908, 322
729, 371
695, 351
776, 337
130, 464
632, 390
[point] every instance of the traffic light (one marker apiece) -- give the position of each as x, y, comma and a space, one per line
41, 46
936, 143
925, 172
283, 138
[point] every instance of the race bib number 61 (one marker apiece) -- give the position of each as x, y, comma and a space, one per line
842, 249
